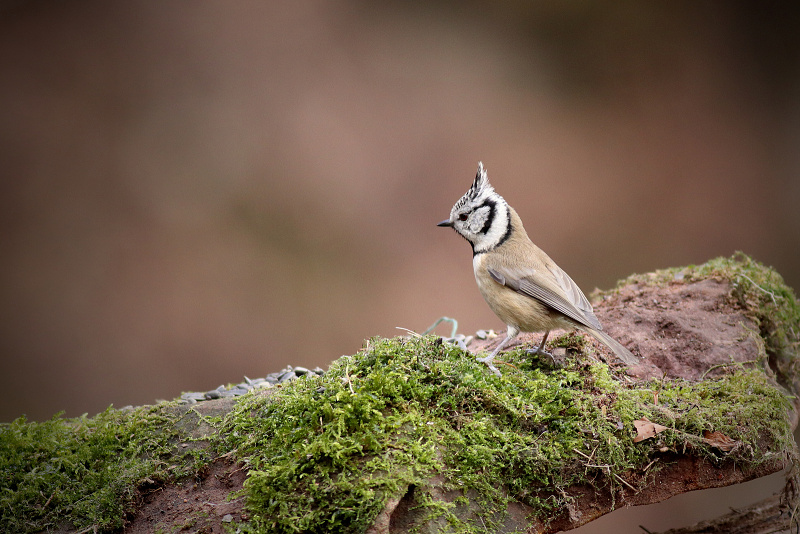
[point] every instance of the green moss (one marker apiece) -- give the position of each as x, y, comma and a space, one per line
84, 471
326, 454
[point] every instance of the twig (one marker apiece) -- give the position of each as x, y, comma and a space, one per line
772, 296
623, 481
583, 454
347, 378
724, 365
607, 467
410, 332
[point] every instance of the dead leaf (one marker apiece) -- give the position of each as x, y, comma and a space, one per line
646, 429
719, 440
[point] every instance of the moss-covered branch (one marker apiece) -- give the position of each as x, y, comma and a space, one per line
412, 433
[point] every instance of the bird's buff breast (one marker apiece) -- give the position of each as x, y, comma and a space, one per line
525, 313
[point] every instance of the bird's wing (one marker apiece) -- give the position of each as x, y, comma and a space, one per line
553, 288
574, 295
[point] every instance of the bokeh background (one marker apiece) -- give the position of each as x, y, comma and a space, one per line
191, 192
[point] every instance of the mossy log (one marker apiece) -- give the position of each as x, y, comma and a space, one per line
412, 434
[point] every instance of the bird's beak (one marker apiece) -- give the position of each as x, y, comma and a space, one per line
445, 222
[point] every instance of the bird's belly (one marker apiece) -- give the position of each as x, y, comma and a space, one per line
523, 312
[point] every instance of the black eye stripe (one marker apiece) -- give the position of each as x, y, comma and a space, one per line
492, 208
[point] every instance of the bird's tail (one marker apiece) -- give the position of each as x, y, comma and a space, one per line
622, 353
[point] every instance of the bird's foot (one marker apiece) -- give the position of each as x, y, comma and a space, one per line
539, 351
550, 359
488, 361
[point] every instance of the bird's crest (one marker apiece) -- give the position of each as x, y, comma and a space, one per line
480, 188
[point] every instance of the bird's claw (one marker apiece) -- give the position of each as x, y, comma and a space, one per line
488, 361
540, 352
548, 355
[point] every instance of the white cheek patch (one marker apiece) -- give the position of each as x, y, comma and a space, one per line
478, 219
500, 223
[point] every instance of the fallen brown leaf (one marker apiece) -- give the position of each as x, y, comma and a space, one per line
719, 440
646, 429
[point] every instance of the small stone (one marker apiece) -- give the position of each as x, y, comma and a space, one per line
300, 371
319, 371
227, 394
256, 381
227, 518
457, 340
237, 391
288, 375
263, 385
213, 394
244, 386
193, 396
221, 388
480, 334
272, 379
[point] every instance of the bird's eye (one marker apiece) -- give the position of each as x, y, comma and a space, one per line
462, 217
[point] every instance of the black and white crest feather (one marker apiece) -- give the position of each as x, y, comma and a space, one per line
480, 188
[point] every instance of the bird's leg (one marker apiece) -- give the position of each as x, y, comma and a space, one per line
512, 333
540, 351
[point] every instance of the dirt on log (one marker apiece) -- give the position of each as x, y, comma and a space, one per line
691, 330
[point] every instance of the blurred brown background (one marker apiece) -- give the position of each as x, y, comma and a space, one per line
192, 192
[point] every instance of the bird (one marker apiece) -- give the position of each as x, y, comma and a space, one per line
520, 283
